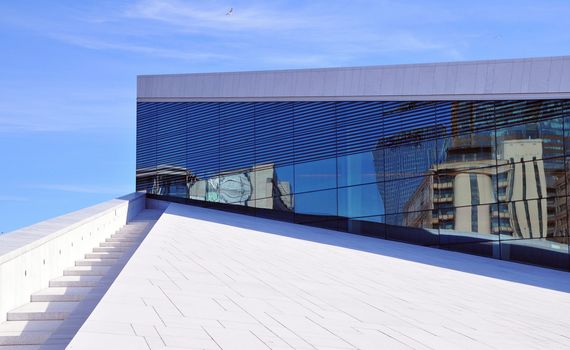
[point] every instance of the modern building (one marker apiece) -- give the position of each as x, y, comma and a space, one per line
467, 156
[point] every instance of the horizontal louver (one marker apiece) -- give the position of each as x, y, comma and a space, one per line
315, 130
236, 136
203, 132
204, 139
359, 126
274, 133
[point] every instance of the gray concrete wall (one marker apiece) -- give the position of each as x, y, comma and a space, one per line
530, 78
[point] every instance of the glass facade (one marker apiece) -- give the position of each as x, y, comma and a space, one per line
482, 177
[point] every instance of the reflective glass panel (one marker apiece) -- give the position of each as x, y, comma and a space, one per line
531, 219
536, 231
197, 190
272, 181
531, 179
462, 187
317, 175
483, 248
567, 129
412, 194
536, 140
362, 200
280, 208
459, 174
274, 133
235, 187
356, 169
315, 206
467, 151
476, 223
416, 227
374, 226
412, 158
536, 251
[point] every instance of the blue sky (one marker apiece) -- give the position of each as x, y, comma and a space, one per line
68, 70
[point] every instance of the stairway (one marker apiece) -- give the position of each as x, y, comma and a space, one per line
41, 324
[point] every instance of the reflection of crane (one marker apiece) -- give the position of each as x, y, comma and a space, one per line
229, 13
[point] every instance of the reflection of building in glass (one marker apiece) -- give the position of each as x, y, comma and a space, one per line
407, 155
464, 185
550, 131
561, 210
165, 180
464, 188
270, 192
462, 194
458, 196
230, 188
525, 180
463, 198
486, 176
256, 187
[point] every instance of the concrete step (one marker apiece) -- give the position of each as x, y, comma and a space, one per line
127, 234
60, 294
32, 347
109, 249
42, 311
134, 232
103, 255
15, 334
96, 262
74, 281
122, 239
36, 326
134, 225
116, 244
23, 338
86, 271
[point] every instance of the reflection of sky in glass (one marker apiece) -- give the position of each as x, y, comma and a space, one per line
356, 169
368, 200
358, 201
317, 203
313, 176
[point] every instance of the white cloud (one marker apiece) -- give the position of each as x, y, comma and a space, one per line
310, 34
260, 34
208, 15
70, 107
97, 44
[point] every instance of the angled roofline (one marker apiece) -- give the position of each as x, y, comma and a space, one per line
523, 78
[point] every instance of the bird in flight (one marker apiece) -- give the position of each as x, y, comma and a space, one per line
230, 12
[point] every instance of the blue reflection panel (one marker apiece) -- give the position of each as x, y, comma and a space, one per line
482, 177
316, 175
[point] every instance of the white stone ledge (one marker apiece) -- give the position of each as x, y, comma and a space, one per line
31, 256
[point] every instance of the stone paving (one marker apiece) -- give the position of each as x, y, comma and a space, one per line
205, 279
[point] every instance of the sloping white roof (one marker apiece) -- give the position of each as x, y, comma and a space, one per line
210, 279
